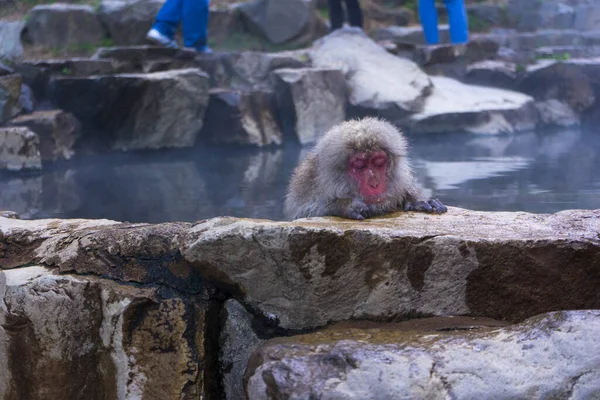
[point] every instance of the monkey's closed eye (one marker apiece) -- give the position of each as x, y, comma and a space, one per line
380, 162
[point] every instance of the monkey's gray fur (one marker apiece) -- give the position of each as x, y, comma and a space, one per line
320, 185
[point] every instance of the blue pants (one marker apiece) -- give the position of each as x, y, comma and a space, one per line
193, 13
457, 19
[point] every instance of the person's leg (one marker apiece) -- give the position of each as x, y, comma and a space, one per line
355, 15
195, 24
336, 14
457, 18
429, 21
169, 17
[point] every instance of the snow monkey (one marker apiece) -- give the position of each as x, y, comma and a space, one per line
359, 169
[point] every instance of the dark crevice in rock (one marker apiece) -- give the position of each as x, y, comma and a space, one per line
212, 372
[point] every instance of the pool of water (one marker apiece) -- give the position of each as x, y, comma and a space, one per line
535, 172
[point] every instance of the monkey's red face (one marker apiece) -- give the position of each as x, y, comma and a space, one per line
369, 170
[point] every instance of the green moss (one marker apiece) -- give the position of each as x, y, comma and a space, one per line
476, 24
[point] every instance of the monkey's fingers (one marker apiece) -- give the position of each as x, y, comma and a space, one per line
421, 206
355, 215
437, 206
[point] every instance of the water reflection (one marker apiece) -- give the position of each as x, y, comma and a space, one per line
531, 172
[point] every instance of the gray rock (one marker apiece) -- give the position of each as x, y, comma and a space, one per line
558, 80
556, 113
147, 111
499, 74
311, 101
249, 70
554, 355
138, 54
241, 118
9, 214
278, 21
223, 22
377, 80
63, 26
72, 66
238, 340
128, 22
19, 149
454, 106
400, 16
88, 337
530, 16
10, 39
57, 130
26, 99
5, 69
10, 92
312, 272
587, 17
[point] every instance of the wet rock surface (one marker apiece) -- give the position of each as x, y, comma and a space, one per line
545, 356
10, 92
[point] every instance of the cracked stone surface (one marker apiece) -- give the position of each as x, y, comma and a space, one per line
64, 336
555, 355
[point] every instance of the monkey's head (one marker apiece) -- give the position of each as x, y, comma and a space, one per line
366, 154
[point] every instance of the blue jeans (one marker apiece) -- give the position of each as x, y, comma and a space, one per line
193, 13
457, 19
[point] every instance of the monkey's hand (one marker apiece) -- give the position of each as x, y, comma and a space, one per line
354, 209
433, 206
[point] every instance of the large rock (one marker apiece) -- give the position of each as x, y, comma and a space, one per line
377, 80
278, 21
454, 106
561, 81
63, 26
10, 39
312, 272
82, 337
531, 16
555, 355
57, 130
19, 149
10, 92
556, 113
223, 22
249, 70
128, 22
409, 35
311, 101
138, 111
494, 73
242, 118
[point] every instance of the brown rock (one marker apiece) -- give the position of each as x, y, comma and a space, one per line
57, 130
84, 337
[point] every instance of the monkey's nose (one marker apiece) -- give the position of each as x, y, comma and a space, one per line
374, 184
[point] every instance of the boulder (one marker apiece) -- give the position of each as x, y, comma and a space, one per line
249, 70
312, 272
492, 14
146, 58
10, 39
19, 149
128, 22
57, 130
85, 337
494, 73
138, 111
278, 21
556, 113
71, 67
63, 26
241, 118
454, 106
10, 92
532, 15
311, 101
587, 16
549, 356
238, 340
377, 81
561, 81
